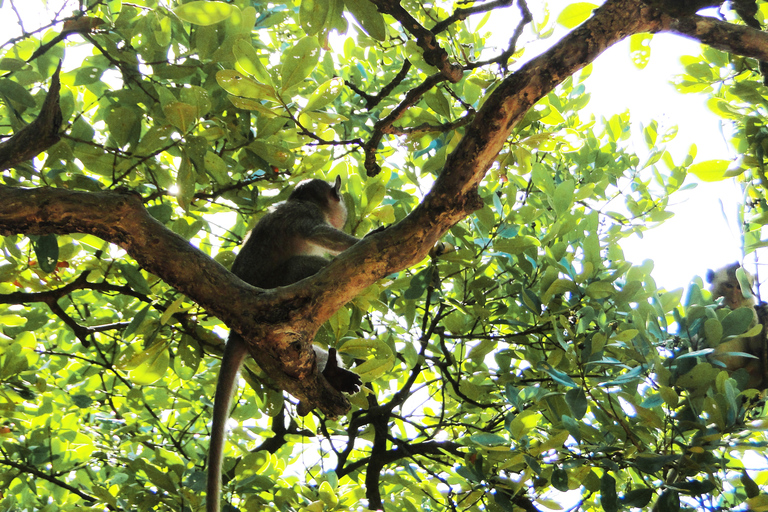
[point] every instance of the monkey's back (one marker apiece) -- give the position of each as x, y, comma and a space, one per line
278, 236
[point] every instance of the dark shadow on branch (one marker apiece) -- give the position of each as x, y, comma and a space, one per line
40, 134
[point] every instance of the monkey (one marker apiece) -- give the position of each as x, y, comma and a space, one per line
288, 244
725, 284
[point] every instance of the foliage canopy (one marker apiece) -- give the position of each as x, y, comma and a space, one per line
529, 367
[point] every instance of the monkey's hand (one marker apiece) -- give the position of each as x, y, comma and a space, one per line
340, 378
441, 248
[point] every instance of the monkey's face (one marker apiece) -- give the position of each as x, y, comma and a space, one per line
731, 292
725, 284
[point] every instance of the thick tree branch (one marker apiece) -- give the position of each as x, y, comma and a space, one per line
722, 35
282, 336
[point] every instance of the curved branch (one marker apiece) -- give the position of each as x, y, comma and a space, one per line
722, 35
38, 135
280, 336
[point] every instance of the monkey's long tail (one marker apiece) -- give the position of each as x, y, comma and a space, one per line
235, 353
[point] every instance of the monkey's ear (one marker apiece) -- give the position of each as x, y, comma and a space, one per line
337, 186
710, 275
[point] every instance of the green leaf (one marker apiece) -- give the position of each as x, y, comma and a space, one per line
577, 402
515, 245
713, 331
600, 290
216, 167
136, 321
204, 12
299, 61
557, 375
123, 123
700, 376
419, 284
694, 487
198, 98
188, 357
375, 368
88, 75
185, 181
312, 15
563, 197
608, 497
737, 321
488, 440
134, 278
181, 115
559, 286
17, 93
669, 501
637, 498
366, 14
649, 463
47, 252
559, 479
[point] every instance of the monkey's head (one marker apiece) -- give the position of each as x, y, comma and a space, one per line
724, 283
325, 195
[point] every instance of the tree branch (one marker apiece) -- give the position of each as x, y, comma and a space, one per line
38, 135
434, 55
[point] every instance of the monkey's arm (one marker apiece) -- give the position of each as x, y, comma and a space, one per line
330, 238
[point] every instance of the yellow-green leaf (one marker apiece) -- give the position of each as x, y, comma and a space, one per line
273, 155
181, 115
575, 14
326, 93
369, 18
202, 12
711, 170
299, 61
238, 84
640, 49
248, 61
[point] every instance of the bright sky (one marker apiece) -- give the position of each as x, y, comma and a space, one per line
698, 237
